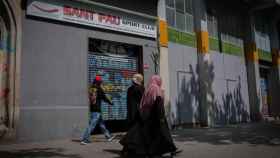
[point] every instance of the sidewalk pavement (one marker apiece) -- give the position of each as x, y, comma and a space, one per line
235, 141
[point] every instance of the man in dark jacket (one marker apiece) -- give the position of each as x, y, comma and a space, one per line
134, 95
96, 95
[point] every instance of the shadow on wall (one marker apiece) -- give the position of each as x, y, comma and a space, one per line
188, 99
233, 109
197, 103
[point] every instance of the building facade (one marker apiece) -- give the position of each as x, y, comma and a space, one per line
219, 61
223, 61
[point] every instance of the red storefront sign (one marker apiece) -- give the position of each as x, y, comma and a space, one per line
90, 17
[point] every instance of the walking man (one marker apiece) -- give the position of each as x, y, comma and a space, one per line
96, 95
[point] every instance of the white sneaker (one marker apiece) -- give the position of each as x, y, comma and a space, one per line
111, 138
83, 143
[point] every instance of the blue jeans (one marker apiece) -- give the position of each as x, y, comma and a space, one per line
95, 118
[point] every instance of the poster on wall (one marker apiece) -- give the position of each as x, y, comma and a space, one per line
116, 73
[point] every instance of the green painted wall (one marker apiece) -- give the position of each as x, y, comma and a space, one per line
176, 36
232, 49
189, 39
214, 44
265, 55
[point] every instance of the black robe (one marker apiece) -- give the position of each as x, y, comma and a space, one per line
150, 135
134, 95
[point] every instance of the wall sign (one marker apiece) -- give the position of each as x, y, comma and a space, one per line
89, 17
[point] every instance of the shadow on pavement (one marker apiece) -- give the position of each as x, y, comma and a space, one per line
253, 134
37, 153
118, 154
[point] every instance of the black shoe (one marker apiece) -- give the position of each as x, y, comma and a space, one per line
177, 151
124, 153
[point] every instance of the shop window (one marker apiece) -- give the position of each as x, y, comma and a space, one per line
231, 28
180, 21
189, 23
212, 25
263, 41
179, 15
189, 6
180, 5
170, 16
170, 3
262, 33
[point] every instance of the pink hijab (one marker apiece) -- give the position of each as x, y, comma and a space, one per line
152, 91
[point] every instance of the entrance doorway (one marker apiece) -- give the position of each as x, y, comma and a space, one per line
265, 91
116, 63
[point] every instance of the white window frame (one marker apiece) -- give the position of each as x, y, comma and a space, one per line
185, 15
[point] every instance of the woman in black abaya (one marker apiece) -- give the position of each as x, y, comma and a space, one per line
150, 136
